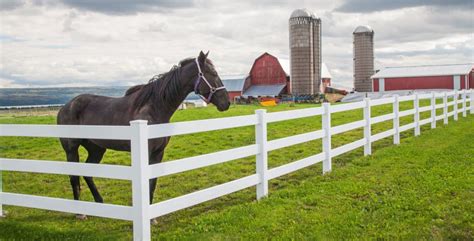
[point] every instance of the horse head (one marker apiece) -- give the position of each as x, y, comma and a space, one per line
208, 84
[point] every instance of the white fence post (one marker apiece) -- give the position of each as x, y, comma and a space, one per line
367, 128
326, 126
417, 114
445, 108
140, 180
262, 156
455, 99
433, 110
396, 121
464, 92
471, 99
1, 190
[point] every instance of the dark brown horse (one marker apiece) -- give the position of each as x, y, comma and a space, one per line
155, 102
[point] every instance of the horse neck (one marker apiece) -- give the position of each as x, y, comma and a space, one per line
187, 74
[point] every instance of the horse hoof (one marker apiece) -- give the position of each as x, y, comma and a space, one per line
153, 222
81, 216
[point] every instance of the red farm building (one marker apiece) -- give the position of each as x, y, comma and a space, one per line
455, 76
269, 76
234, 85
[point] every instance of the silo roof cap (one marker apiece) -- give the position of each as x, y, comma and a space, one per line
363, 29
303, 12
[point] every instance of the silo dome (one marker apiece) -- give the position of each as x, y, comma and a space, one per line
298, 13
363, 29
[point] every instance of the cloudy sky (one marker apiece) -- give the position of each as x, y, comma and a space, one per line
47, 43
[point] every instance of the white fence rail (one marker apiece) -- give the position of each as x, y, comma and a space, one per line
141, 212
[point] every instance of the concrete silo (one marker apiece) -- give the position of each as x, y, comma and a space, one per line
305, 52
363, 58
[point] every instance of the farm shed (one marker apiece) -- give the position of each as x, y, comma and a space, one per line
234, 85
454, 76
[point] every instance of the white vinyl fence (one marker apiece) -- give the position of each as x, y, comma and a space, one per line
141, 212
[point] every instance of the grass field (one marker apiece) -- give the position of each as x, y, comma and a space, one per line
422, 189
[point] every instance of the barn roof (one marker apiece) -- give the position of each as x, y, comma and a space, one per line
285, 65
264, 90
234, 83
424, 70
284, 62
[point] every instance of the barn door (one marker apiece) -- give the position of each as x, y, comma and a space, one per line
457, 82
381, 84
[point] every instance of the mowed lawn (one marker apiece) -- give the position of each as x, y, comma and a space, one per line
421, 189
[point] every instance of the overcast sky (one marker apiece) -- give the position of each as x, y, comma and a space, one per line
125, 42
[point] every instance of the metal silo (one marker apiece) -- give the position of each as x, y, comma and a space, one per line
305, 52
363, 58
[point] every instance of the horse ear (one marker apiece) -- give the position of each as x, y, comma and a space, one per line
202, 57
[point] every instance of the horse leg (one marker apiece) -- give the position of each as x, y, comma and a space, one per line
71, 148
73, 156
95, 156
155, 157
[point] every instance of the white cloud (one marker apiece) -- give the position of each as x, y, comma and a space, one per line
61, 43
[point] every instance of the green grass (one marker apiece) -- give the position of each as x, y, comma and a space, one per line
422, 189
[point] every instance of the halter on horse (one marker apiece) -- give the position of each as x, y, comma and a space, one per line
212, 89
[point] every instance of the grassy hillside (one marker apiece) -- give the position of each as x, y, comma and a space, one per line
420, 189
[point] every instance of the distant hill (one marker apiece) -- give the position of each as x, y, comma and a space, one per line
52, 96
49, 96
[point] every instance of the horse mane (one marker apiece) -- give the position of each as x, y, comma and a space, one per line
133, 89
164, 87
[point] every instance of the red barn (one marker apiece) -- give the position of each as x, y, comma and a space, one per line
455, 76
269, 76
